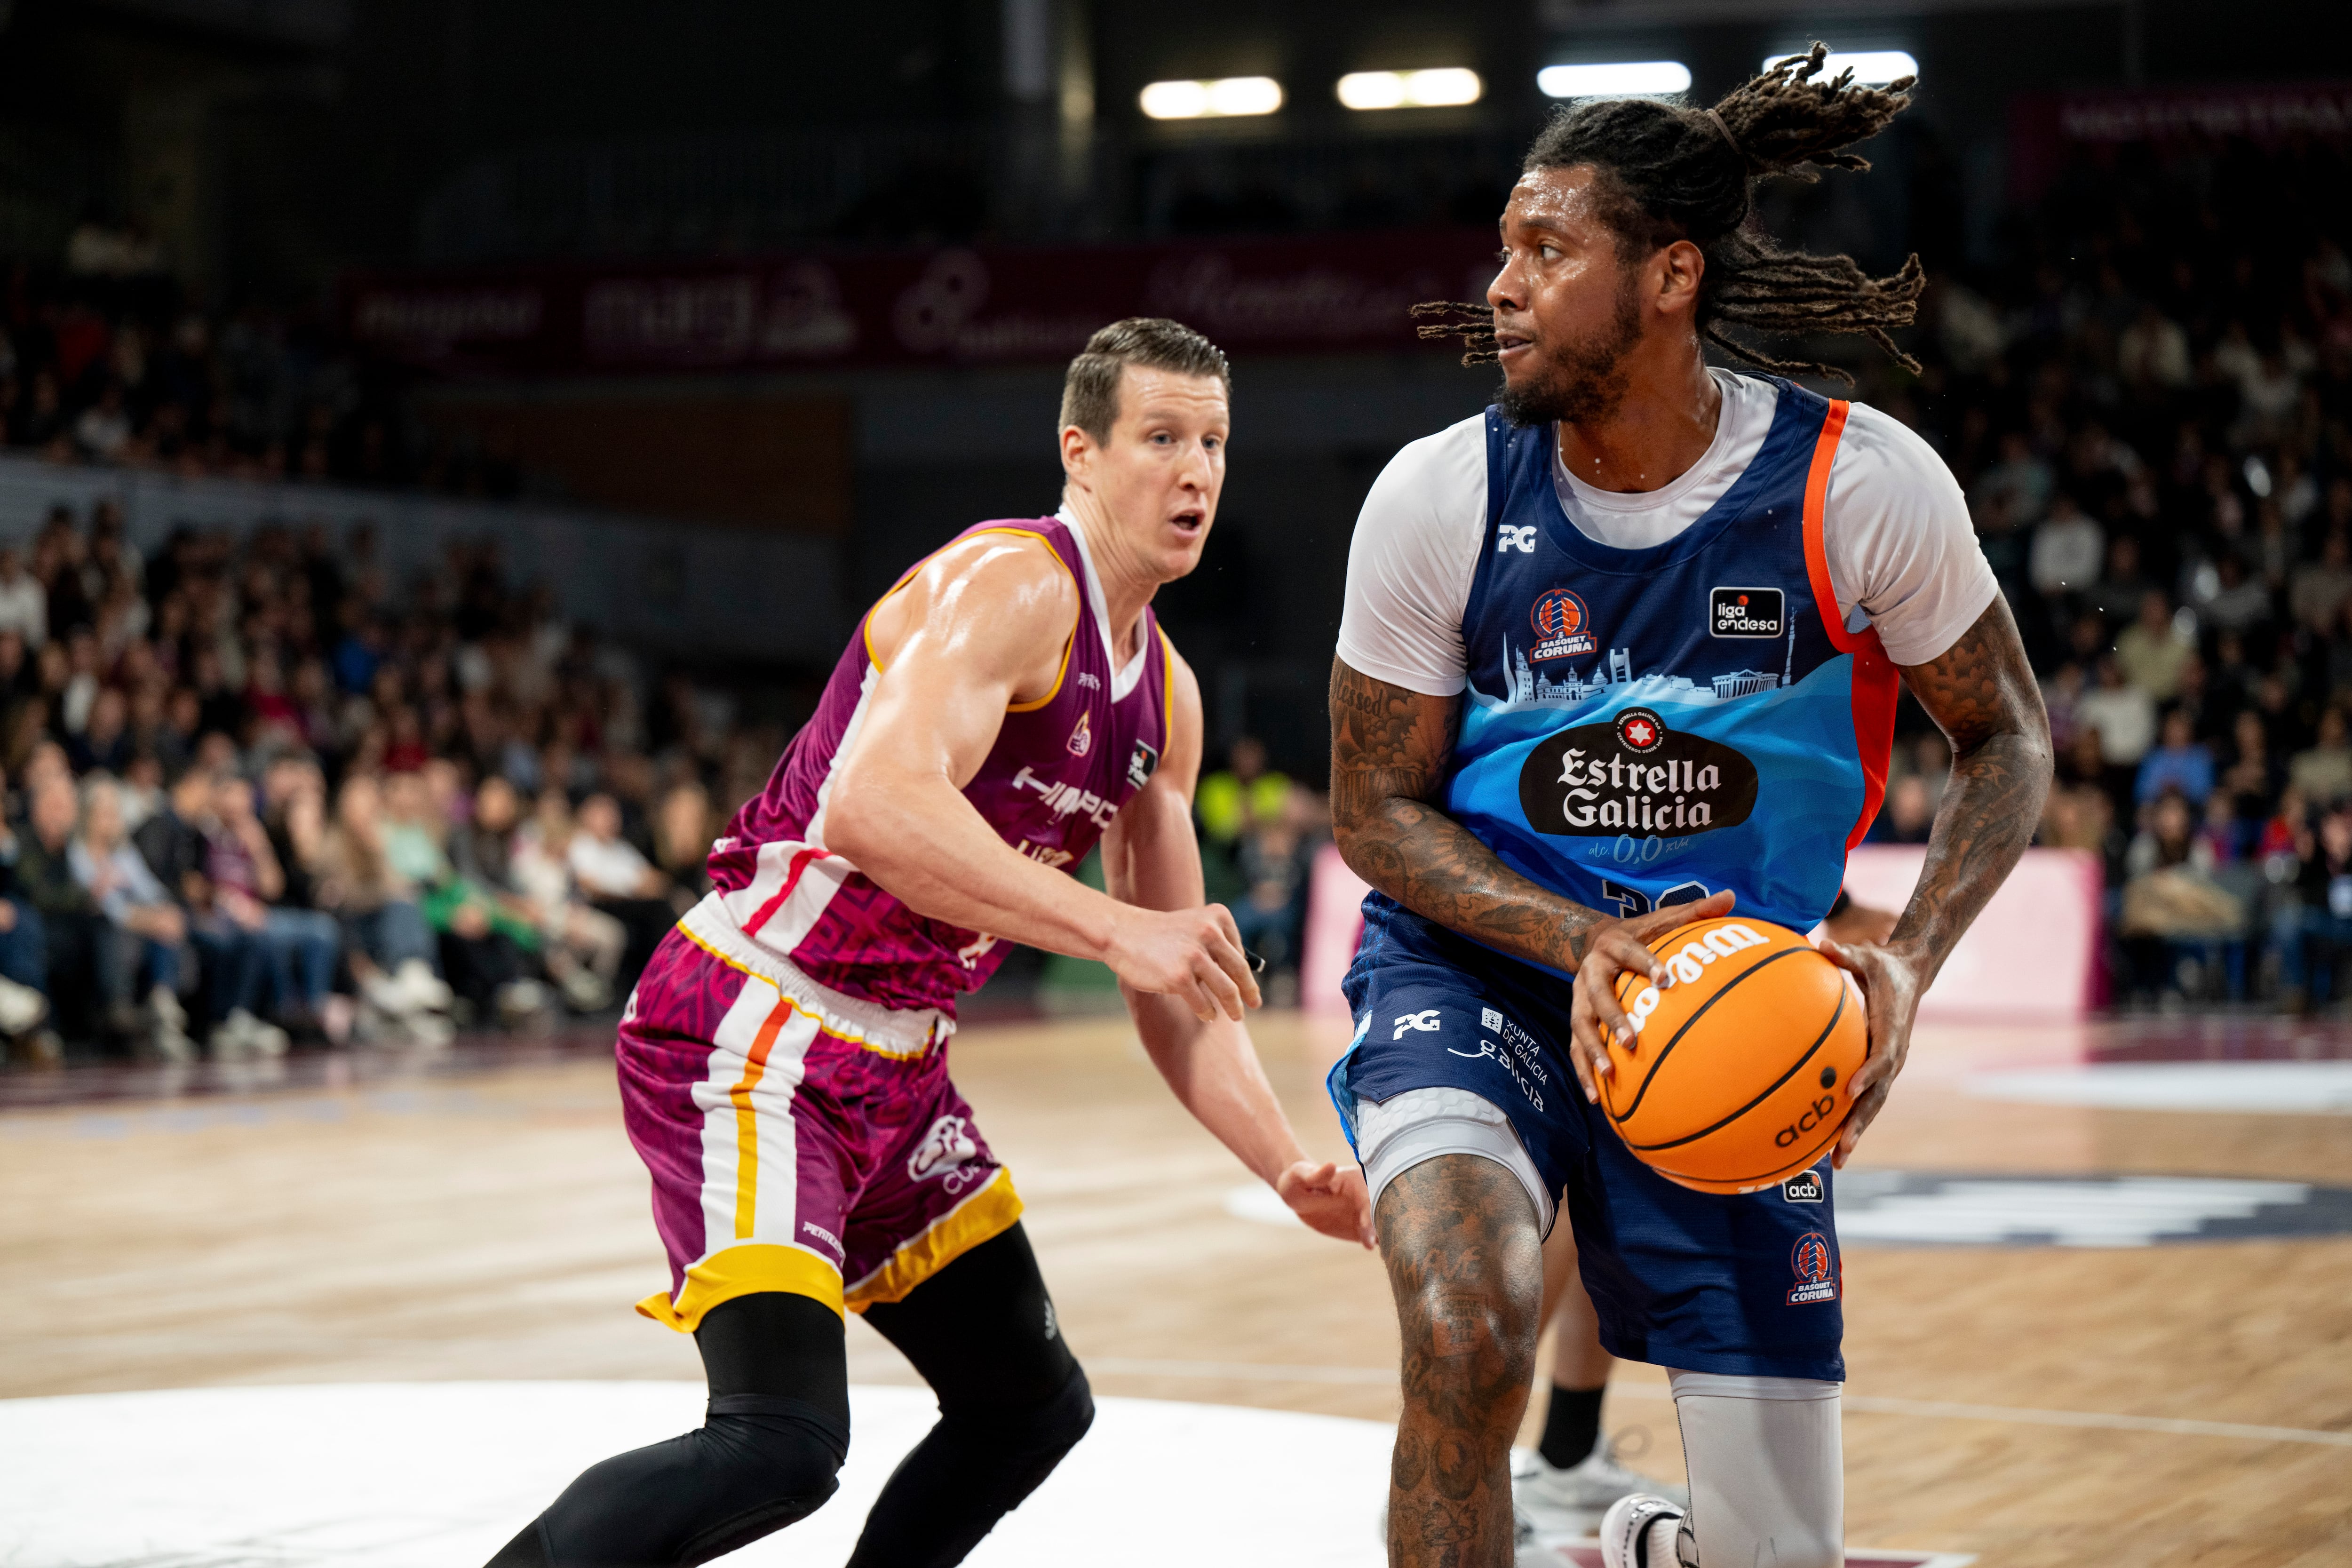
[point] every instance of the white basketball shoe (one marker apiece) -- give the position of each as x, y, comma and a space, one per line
1641, 1532
1569, 1501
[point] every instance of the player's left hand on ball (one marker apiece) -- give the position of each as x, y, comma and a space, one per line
1891, 983
1328, 1199
1618, 948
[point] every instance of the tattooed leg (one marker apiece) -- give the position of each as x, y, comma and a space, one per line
1458, 1234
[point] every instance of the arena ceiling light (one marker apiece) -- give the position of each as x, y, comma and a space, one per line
1614, 78
1438, 88
1225, 98
1870, 67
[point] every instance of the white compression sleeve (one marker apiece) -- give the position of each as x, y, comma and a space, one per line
1766, 1470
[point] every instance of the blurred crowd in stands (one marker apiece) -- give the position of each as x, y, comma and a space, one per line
2153, 425
102, 362
253, 794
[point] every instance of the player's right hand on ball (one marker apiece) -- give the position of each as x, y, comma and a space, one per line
1619, 948
1193, 955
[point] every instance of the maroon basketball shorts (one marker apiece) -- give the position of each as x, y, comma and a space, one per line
799, 1140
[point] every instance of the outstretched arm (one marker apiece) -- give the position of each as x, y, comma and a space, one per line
1389, 751
980, 626
1982, 694
1152, 858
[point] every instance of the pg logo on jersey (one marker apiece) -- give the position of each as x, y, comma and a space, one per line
1747, 612
1561, 623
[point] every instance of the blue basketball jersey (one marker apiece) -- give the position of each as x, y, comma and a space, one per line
1645, 727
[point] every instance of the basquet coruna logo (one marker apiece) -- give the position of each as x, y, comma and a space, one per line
1631, 774
1562, 627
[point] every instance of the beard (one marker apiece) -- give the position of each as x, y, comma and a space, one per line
1582, 382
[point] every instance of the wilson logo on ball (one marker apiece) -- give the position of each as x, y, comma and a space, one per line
1733, 1073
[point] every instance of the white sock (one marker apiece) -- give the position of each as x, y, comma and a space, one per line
1658, 1545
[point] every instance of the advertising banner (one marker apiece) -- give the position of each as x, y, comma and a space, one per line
958, 306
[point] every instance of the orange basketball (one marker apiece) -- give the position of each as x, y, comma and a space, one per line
1739, 1071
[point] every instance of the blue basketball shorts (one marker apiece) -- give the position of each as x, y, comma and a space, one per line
1699, 1281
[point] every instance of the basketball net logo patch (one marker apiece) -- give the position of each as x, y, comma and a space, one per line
1560, 621
1816, 1276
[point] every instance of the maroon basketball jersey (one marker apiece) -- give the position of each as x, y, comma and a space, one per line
1061, 768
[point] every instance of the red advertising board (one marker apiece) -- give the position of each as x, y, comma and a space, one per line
961, 306
2044, 127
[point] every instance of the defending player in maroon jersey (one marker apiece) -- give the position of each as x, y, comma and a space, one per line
1009, 704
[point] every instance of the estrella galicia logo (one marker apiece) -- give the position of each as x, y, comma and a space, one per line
1816, 1270
1562, 627
1143, 765
1747, 612
1632, 775
1804, 1188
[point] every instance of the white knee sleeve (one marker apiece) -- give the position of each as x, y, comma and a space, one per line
1766, 1470
1395, 1134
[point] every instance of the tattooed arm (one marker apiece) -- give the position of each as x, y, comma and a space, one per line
1982, 694
1388, 750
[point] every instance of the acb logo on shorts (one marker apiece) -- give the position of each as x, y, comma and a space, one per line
1804, 1188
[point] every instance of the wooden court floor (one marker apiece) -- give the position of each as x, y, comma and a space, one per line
493, 1224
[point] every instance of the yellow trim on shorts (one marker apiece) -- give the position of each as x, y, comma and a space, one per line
829, 1026
983, 1217
748, 1269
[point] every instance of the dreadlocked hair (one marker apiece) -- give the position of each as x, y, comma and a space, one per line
1670, 173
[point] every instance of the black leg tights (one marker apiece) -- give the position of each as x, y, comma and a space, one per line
1012, 1401
766, 1455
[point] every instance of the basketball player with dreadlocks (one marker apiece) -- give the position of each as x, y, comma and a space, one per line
1652, 554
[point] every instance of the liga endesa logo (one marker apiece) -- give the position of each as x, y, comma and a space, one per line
1560, 621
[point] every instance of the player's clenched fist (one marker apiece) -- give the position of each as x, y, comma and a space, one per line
1194, 955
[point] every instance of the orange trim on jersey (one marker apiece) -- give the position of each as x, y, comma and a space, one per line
1167, 689
865, 626
747, 1120
1874, 685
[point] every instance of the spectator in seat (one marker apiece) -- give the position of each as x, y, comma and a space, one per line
24, 963
2316, 593
682, 836
2181, 762
485, 968
298, 946
2150, 652
230, 956
590, 942
138, 968
2323, 773
2123, 714
388, 940
23, 602
2312, 937
2067, 549
77, 929
617, 878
